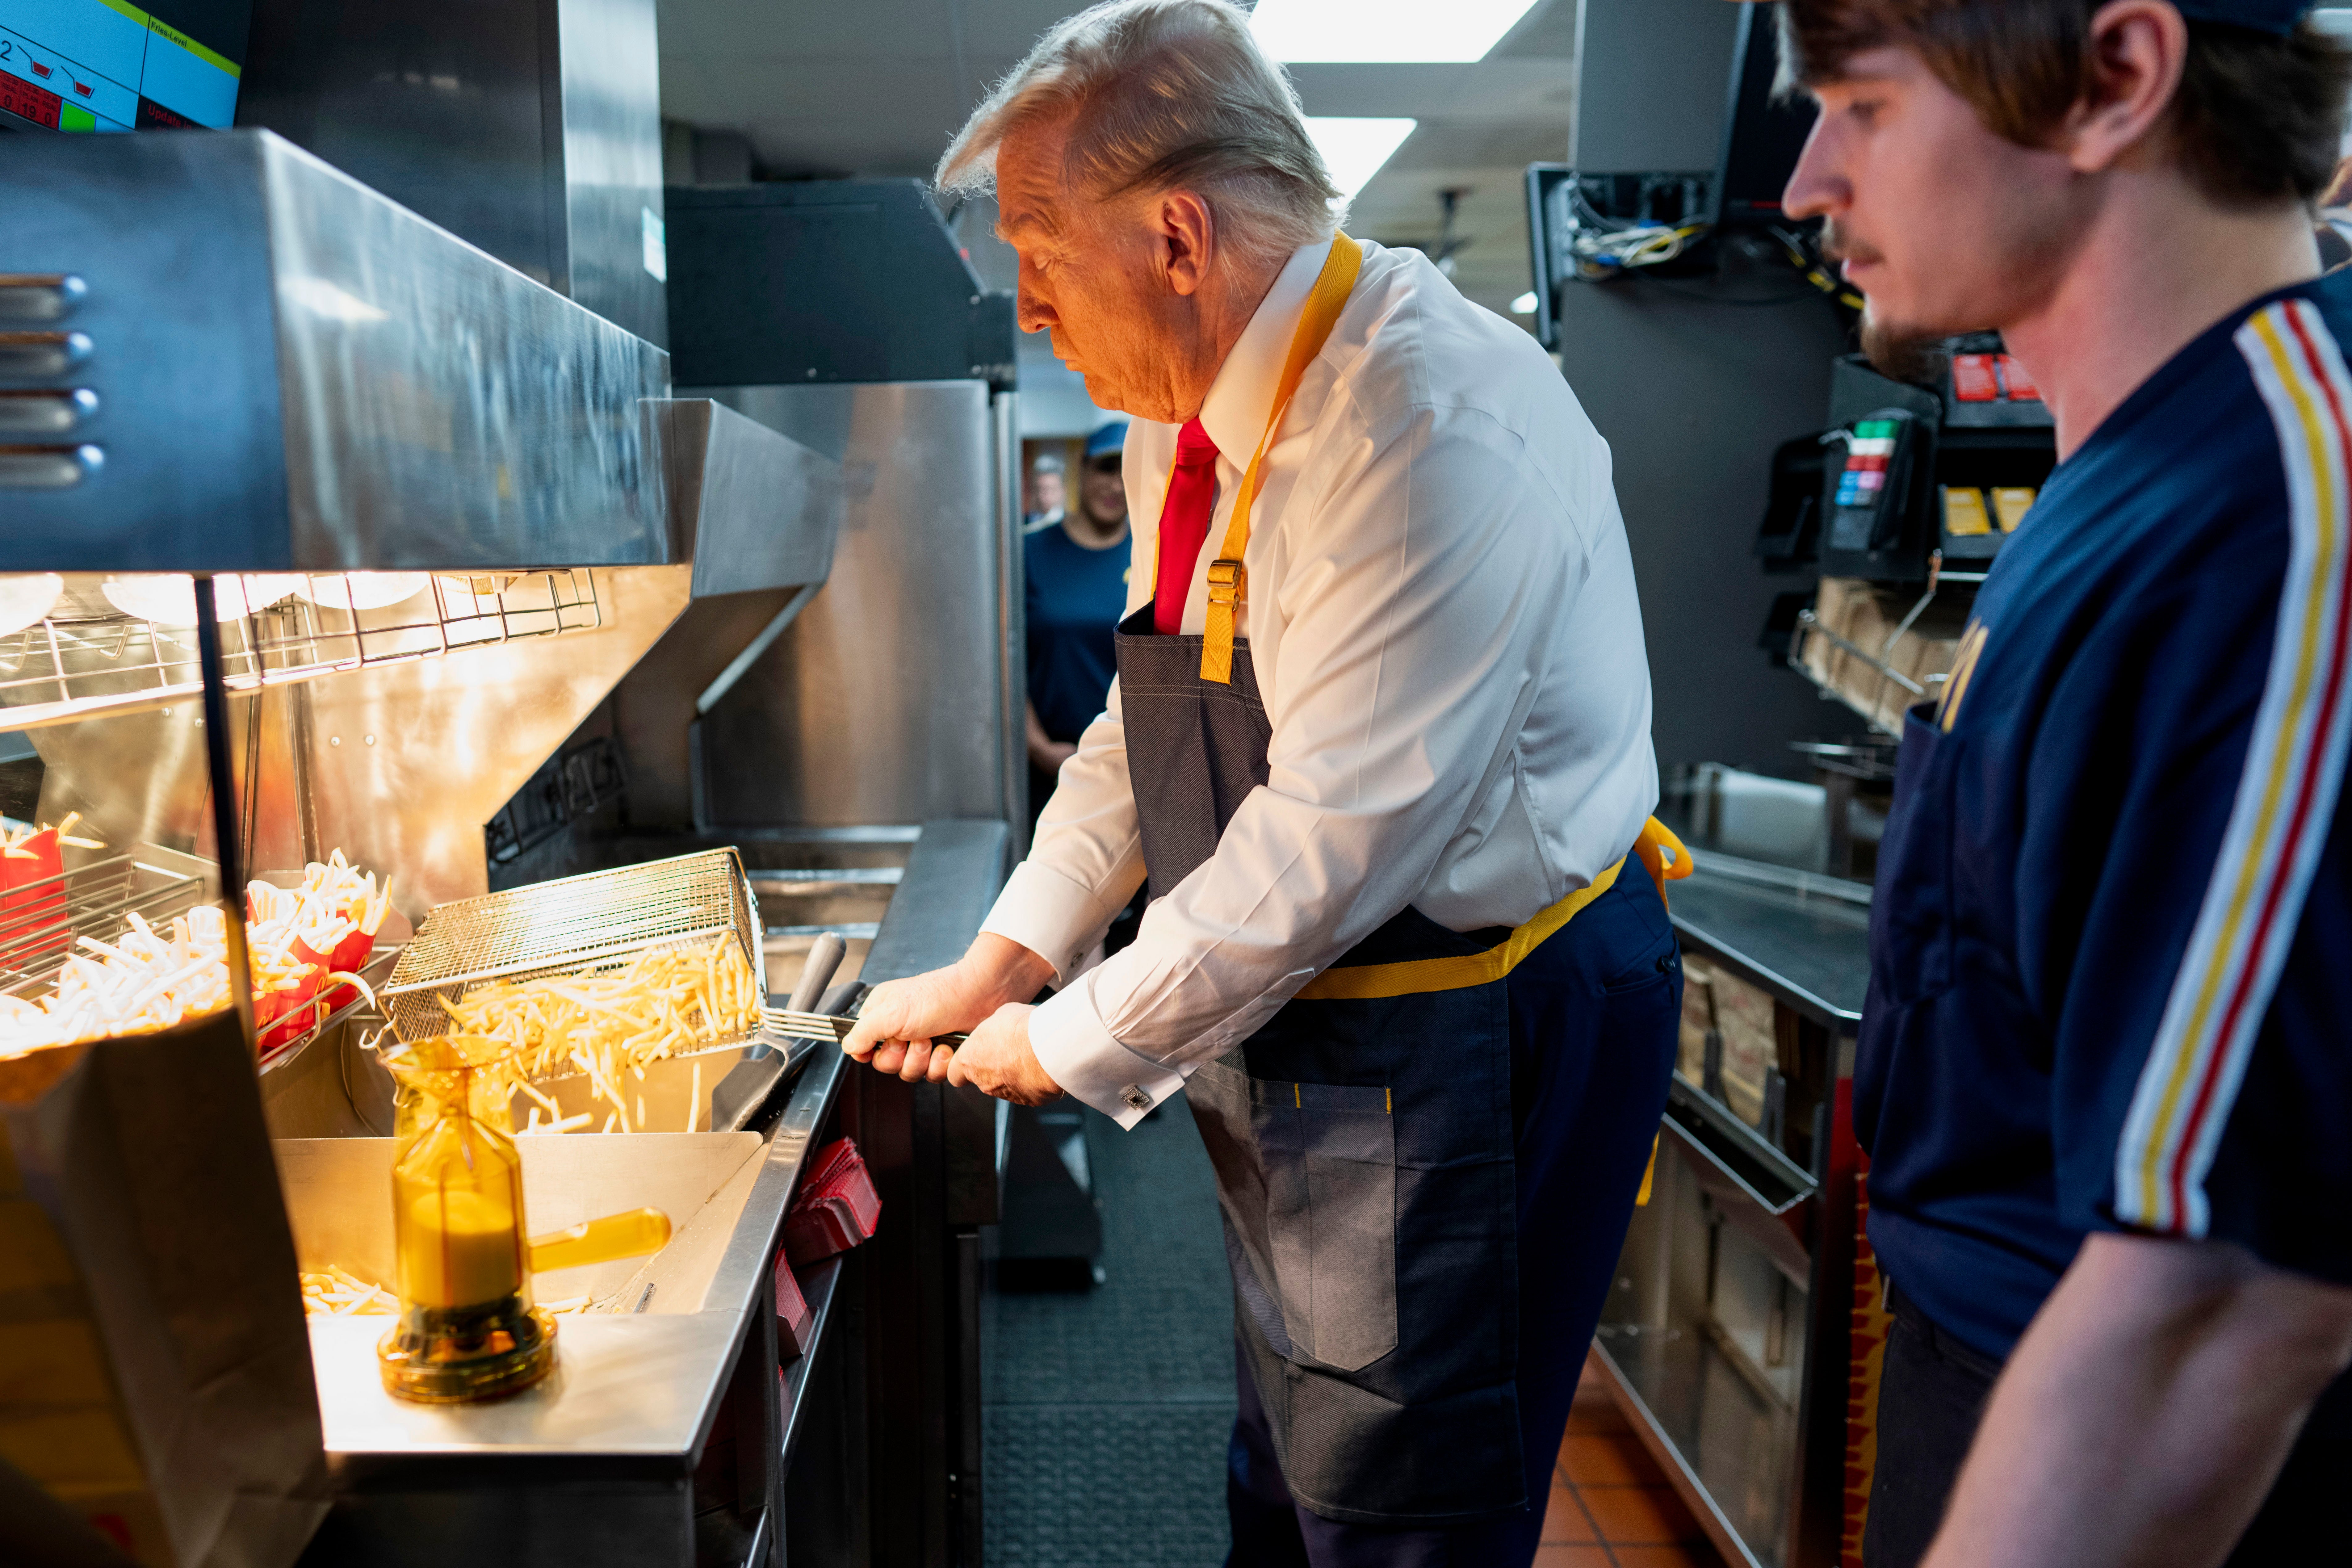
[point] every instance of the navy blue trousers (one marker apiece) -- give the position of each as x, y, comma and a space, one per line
1594, 1016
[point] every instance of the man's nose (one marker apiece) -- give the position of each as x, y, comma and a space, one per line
1033, 314
1814, 187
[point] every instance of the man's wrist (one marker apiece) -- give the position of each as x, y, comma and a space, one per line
1006, 970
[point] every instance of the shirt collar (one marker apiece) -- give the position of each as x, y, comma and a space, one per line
1233, 414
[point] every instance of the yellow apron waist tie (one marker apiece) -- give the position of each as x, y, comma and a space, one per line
1658, 850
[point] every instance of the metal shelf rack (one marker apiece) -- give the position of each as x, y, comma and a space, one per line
88, 657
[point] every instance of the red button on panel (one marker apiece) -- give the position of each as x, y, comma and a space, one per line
1972, 378
2019, 385
1865, 465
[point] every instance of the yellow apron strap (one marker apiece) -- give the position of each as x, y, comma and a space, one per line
1663, 854
1658, 850
1364, 982
1228, 581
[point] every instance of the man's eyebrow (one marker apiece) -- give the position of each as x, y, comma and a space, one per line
1041, 222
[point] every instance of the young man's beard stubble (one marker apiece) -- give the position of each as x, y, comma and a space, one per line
1897, 350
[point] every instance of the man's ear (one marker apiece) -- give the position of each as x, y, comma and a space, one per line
1186, 233
2135, 50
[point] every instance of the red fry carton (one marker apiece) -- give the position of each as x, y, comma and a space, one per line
837, 1206
343, 958
33, 924
280, 1016
792, 1315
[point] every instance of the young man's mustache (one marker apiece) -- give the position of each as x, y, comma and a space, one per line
1839, 245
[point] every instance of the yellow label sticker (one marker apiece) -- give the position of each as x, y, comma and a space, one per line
2011, 503
1964, 510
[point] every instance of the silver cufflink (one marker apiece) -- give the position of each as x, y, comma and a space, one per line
1135, 1098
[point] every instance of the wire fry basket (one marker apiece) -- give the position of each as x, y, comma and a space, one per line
576, 925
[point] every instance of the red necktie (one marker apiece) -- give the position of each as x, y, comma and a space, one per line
1183, 524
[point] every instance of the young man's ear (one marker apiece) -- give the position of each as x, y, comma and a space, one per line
2136, 52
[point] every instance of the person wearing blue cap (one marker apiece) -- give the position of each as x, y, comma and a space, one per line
1076, 564
2105, 1074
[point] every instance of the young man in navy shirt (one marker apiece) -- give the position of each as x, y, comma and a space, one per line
1076, 564
2105, 1072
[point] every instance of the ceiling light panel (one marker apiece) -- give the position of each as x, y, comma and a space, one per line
1383, 31
1353, 150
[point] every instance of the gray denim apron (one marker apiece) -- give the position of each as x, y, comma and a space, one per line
1363, 1152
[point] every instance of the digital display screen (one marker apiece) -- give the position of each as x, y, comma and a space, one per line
109, 65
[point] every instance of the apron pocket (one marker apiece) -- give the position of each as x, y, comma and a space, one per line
1330, 1190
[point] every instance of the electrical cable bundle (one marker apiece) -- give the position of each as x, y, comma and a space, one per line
1601, 247
1805, 257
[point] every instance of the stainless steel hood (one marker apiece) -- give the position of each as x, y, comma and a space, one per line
263, 364
750, 508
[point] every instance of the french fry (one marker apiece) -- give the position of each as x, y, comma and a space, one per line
612, 1025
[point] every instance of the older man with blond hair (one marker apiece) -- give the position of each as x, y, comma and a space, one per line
1380, 744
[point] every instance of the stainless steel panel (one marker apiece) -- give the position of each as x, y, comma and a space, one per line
440, 408
1012, 621
607, 72
654, 706
750, 507
532, 128
885, 700
298, 373
437, 105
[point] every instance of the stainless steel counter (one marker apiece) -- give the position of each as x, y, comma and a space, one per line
1725, 1338
617, 1458
1803, 938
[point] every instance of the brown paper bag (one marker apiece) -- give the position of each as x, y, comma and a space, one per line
155, 1367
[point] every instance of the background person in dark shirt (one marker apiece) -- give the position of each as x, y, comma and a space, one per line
2104, 1075
1077, 568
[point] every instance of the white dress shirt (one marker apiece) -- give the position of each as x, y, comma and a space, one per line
1442, 618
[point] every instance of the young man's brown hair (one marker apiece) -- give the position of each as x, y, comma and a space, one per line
2256, 119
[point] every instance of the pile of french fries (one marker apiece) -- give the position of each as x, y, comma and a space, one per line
339, 1293
144, 981
304, 945
607, 1027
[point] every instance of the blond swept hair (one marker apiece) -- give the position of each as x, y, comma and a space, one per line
1162, 95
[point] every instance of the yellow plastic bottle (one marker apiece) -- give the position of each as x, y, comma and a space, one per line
467, 1328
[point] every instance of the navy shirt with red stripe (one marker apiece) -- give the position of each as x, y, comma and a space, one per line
2113, 925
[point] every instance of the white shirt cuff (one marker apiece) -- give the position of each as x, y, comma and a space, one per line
1081, 1054
1049, 914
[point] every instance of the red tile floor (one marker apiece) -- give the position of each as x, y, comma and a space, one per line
1610, 1506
